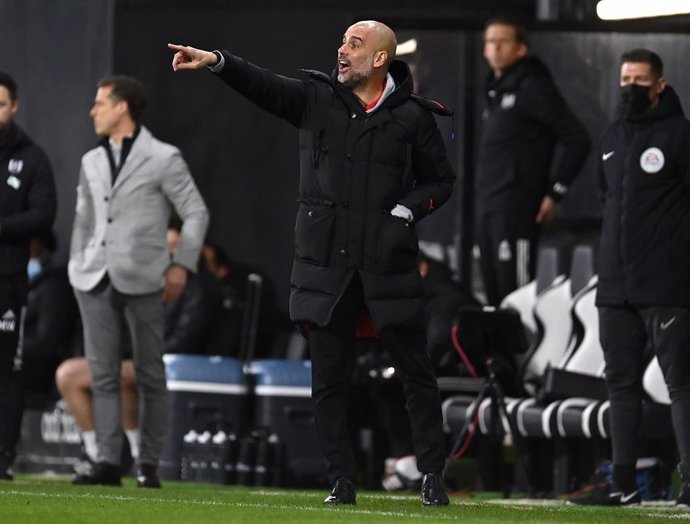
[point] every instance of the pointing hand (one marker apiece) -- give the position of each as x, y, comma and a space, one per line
187, 57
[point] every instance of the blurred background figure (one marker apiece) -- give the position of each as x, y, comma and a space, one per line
52, 328
517, 187
121, 270
28, 204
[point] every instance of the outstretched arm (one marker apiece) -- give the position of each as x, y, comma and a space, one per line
279, 95
187, 57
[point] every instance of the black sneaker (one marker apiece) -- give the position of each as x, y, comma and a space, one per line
434, 490
102, 474
147, 476
683, 500
6, 472
606, 495
343, 492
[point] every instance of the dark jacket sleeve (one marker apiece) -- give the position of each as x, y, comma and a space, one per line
433, 173
547, 106
41, 208
279, 95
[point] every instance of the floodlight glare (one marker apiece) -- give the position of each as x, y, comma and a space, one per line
626, 9
406, 48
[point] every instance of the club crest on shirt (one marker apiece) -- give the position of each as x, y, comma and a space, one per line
15, 166
508, 101
652, 160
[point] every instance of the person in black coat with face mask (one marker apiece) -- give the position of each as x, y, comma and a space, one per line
643, 293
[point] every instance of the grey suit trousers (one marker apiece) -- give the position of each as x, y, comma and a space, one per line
106, 313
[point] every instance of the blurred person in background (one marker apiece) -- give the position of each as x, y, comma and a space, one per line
28, 204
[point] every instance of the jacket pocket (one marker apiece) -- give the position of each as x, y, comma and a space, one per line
319, 154
314, 230
397, 245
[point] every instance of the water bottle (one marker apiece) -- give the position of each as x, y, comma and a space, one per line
245, 461
277, 458
230, 454
189, 443
262, 465
217, 458
203, 457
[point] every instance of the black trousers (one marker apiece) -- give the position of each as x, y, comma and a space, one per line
625, 333
12, 300
333, 358
508, 246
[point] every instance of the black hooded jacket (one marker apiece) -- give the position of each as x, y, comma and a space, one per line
524, 119
27, 199
644, 187
354, 168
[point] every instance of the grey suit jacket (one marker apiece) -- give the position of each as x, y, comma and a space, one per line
121, 229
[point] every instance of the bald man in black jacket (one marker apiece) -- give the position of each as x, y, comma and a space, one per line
372, 164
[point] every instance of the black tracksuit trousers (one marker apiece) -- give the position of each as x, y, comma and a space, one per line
625, 332
508, 247
12, 300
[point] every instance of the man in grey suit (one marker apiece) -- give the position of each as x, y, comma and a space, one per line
119, 264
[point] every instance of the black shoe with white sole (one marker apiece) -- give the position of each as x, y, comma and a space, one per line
102, 474
607, 495
147, 476
343, 492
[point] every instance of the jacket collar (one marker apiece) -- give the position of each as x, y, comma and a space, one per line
140, 152
514, 74
399, 71
13, 138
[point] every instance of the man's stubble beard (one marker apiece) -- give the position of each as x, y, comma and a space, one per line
357, 78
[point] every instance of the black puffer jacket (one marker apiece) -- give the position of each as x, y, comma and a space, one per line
524, 119
644, 183
355, 167
27, 198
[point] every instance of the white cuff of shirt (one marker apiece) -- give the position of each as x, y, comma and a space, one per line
220, 64
401, 211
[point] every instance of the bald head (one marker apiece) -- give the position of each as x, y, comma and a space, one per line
382, 37
365, 55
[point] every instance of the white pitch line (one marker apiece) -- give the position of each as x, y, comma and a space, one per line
666, 515
323, 509
680, 515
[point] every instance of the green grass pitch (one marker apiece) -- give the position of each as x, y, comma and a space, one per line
46, 500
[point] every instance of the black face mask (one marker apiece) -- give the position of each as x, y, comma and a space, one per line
635, 99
